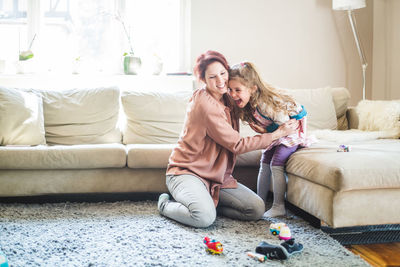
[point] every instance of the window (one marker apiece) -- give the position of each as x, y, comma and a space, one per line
95, 34
13, 28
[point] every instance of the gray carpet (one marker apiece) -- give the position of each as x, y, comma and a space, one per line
134, 234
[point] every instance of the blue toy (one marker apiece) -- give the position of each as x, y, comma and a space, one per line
3, 260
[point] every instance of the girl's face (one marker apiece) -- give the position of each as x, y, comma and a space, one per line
240, 93
216, 79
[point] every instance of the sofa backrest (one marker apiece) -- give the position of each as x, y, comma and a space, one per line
326, 107
82, 116
153, 117
21, 118
90, 116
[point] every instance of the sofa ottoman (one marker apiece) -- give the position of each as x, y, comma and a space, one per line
343, 189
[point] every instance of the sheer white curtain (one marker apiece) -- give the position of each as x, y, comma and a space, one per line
91, 33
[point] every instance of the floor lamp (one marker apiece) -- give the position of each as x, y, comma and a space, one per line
350, 5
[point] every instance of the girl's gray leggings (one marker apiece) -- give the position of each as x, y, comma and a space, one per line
194, 206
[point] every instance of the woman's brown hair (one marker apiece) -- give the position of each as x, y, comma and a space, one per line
206, 59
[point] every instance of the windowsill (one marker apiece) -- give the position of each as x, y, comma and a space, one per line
167, 83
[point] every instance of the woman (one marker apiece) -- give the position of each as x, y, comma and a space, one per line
199, 173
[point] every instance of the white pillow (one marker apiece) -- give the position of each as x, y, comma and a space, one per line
379, 115
82, 116
21, 118
319, 105
154, 117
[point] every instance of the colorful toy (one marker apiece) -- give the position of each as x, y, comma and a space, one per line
213, 246
280, 229
344, 148
257, 256
3, 260
275, 228
285, 233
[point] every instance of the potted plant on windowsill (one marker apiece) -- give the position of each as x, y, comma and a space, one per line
132, 63
25, 63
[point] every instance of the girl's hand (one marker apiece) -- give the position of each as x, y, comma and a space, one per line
287, 128
257, 128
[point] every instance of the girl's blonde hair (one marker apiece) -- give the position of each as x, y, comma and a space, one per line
278, 101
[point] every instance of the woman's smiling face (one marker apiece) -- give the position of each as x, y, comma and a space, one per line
216, 79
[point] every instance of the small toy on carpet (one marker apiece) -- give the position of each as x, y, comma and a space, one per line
3, 260
275, 228
285, 233
213, 246
257, 256
280, 229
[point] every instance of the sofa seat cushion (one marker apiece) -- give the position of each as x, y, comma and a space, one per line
148, 155
157, 155
369, 165
63, 157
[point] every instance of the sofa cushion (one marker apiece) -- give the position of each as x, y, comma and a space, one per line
340, 97
82, 116
379, 115
319, 105
21, 118
63, 157
157, 155
148, 155
369, 165
154, 117
249, 159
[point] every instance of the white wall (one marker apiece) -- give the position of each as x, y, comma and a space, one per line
386, 52
295, 44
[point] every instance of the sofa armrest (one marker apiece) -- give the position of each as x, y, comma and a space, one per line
352, 117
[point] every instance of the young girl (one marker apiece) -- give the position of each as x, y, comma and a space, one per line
265, 108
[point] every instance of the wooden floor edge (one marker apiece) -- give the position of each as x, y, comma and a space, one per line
364, 254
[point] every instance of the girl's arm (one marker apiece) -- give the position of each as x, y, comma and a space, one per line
257, 128
221, 131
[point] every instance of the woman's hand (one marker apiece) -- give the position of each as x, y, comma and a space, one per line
257, 128
287, 128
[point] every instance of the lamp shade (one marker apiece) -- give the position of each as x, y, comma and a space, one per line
347, 4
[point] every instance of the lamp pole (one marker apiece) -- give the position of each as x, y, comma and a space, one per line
364, 63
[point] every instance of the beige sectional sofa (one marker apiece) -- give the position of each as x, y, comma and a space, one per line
104, 140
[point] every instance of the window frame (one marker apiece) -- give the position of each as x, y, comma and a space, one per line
35, 19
